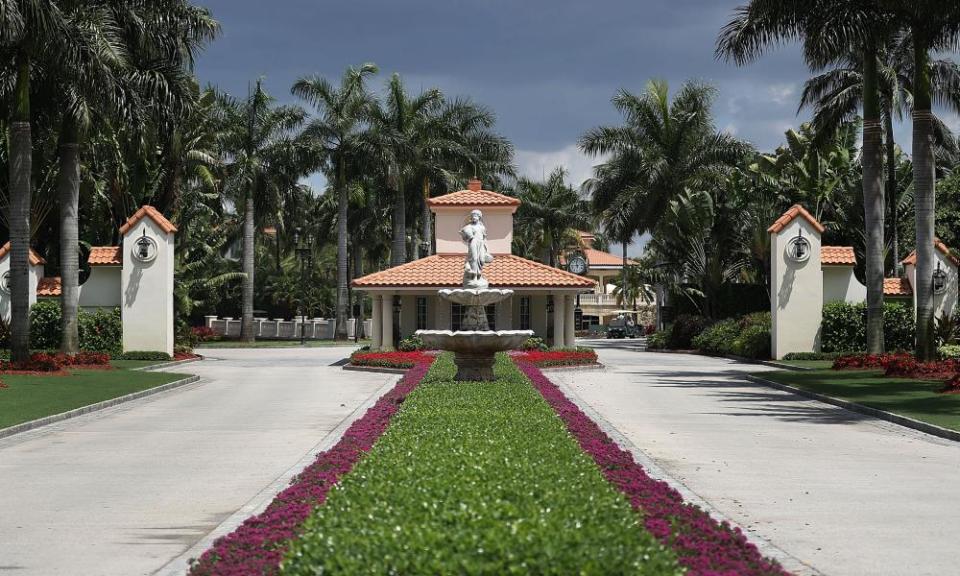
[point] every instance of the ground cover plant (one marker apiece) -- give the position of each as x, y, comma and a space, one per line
476, 478
571, 357
28, 397
915, 398
703, 546
390, 359
902, 366
844, 327
258, 545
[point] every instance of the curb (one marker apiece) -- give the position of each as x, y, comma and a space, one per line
180, 565
154, 367
904, 421
375, 369
791, 563
580, 368
47, 420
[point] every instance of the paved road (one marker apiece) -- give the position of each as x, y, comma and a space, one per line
126, 490
844, 493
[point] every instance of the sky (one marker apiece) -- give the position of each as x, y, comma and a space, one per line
547, 68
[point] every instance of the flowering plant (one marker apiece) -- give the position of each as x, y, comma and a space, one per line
578, 357
204, 334
951, 386
390, 359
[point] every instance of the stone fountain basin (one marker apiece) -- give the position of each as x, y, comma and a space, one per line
479, 342
475, 296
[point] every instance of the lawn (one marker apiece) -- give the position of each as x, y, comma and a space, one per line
476, 478
916, 399
808, 364
279, 344
30, 397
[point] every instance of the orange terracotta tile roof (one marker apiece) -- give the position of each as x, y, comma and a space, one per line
154, 214
474, 196
896, 287
446, 271
838, 255
106, 256
912, 258
600, 258
49, 287
34, 258
789, 215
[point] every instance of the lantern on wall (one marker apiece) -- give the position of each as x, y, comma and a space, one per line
798, 249
145, 248
939, 280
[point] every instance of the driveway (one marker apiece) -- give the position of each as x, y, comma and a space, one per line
843, 493
126, 490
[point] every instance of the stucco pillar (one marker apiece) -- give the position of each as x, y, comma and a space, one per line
386, 320
570, 334
559, 314
377, 335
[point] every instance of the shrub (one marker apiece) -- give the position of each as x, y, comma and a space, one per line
100, 331
45, 320
844, 327
748, 337
811, 356
4, 333
717, 339
949, 351
753, 342
683, 330
658, 340
145, 355
535, 344
411, 344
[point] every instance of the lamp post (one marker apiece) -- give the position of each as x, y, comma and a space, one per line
304, 252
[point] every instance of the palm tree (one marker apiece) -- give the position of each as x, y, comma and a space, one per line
933, 25
335, 133
550, 215
32, 30
258, 129
663, 148
831, 30
402, 128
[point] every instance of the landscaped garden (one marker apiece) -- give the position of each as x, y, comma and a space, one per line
510, 476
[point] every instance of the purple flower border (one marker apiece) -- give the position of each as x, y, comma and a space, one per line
258, 545
703, 545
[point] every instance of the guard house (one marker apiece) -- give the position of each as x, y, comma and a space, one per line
405, 297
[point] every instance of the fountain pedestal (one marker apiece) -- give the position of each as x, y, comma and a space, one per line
475, 346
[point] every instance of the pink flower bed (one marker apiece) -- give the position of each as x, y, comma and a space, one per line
258, 545
703, 545
547, 358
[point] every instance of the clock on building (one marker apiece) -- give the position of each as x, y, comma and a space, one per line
577, 264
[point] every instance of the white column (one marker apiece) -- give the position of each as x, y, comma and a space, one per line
559, 314
386, 320
377, 322
570, 335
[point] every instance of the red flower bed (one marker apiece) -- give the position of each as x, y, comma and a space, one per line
44, 363
703, 545
870, 361
258, 545
900, 366
204, 334
178, 356
951, 386
390, 359
543, 359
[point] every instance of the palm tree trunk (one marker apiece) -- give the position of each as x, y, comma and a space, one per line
923, 181
873, 203
21, 165
246, 325
357, 273
892, 191
69, 189
343, 294
427, 220
398, 253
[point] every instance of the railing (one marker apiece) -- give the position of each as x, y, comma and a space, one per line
280, 329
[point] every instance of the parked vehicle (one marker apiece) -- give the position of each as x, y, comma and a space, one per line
624, 325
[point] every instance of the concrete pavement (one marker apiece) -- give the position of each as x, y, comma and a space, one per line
126, 490
843, 493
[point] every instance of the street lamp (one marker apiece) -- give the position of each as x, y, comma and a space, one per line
304, 252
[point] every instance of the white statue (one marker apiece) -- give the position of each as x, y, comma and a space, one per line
474, 234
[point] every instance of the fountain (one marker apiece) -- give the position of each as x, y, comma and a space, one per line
475, 345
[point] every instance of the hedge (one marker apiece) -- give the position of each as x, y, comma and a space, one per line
476, 479
844, 327
100, 331
748, 337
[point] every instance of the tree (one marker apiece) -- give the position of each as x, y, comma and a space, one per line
551, 214
257, 131
335, 133
830, 31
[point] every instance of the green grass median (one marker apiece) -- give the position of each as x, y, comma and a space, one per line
28, 397
916, 399
475, 478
